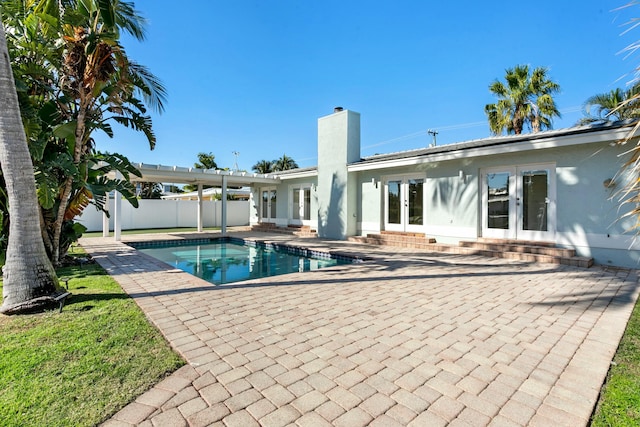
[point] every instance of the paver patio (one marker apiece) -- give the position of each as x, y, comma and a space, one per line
408, 338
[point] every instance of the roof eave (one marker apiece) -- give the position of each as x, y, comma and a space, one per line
498, 146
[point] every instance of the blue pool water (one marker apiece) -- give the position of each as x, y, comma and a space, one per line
224, 261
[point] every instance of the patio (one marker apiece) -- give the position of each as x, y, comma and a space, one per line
409, 338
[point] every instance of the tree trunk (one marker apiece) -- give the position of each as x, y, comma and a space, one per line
65, 195
29, 279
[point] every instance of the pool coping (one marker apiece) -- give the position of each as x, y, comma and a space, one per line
294, 249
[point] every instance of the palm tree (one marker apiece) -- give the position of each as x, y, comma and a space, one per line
83, 73
526, 98
263, 166
98, 75
612, 106
630, 193
150, 190
284, 163
206, 161
29, 280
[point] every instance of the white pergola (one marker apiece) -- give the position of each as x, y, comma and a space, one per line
193, 176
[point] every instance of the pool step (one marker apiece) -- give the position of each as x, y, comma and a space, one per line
403, 240
530, 251
294, 230
537, 248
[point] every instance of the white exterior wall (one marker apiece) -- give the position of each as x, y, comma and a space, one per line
587, 213
153, 213
254, 206
370, 202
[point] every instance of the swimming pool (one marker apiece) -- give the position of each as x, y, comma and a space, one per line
221, 261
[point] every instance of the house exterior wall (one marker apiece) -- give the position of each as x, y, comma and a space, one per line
311, 182
254, 206
587, 213
282, 203
370, 202
348, 194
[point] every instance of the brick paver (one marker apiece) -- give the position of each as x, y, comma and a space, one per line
407, 338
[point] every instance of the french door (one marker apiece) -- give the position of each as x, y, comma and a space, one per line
404, 203
519, 202
268, 198
301, 205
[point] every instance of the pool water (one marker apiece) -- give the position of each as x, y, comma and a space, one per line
227, 262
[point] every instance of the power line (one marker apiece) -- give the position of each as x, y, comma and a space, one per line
573, 109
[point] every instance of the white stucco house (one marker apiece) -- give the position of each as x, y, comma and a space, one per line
555, 186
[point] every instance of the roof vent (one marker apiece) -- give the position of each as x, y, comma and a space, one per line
337, 109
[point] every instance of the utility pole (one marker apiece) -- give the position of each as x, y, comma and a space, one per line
235, 165
432, 133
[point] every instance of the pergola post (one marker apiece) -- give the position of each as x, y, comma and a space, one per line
223, 225
200, 208
117, 215
105, 219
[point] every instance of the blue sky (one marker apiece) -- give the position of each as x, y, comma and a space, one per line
254, 76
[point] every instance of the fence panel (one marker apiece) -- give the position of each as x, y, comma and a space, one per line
153, 213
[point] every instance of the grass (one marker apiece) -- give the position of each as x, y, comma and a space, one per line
151, 230
619, 403
79, 367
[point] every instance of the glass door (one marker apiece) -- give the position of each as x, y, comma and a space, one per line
301, 205
536, 207
498, 205
519, 202
404, 203
268, 201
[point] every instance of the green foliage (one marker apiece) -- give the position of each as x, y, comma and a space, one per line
525, 98
80, 366
71, 232
263, 166
206, 161
615, 105
100, 167
74, 78
150, 190
284, 163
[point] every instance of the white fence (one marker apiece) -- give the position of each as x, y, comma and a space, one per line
153, 213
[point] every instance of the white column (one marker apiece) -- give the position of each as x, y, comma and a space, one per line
223, 227
117, 215
200, 208
105, 218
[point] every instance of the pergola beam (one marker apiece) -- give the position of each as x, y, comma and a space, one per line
194, 176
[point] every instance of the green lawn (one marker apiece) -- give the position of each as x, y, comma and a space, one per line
79, 367
619, 403
151, 230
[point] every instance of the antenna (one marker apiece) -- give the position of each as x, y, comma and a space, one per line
433, 133
235, 165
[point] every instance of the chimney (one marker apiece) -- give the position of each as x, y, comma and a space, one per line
337, 190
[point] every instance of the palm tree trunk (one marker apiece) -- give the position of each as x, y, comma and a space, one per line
65, 195
29, 279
